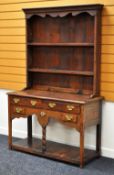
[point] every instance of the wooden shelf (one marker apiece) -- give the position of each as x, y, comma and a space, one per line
57, 151
60, 44
55, 71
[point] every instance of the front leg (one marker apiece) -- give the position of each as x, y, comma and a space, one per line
10, 131
81, 147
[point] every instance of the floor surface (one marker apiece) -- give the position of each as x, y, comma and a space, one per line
17, 163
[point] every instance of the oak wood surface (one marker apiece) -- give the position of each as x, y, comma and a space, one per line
56, 151
66, 97
63, 78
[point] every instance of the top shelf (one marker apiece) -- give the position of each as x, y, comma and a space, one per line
59, 44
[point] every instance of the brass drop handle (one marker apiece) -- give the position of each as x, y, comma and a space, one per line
68, 117
18, 110
70, 107
52, 105
42, 114
33, 102
16, 100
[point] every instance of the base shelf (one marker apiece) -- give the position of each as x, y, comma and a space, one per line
55, 151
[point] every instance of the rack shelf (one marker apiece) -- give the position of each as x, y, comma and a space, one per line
61, 44
55, 71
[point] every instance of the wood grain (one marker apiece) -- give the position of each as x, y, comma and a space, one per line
11, 24
63, 71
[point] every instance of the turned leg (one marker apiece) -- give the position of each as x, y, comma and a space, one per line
29, 128
43, 138
98, 139
10, 132
82, 148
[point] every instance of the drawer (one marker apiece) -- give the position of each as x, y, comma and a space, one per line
43, 113
69, 118
64, 117
18, 110
61, 106
46, 104
23, 101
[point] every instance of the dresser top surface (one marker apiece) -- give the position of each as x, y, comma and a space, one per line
47, 95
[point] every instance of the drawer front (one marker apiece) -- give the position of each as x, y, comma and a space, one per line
64, 117
46, 104
61, 106
23, 101
18, 110
42, 113
69, 118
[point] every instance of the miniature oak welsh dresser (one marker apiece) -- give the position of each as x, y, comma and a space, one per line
63, 79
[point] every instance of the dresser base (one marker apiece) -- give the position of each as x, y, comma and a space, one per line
55, 151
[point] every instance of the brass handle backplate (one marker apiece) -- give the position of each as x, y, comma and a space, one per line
18, 110
52, 105
69, 117
33, 102
16, 100
70, 107
42, 114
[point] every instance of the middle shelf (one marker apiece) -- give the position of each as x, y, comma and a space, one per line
55, 71
60, 44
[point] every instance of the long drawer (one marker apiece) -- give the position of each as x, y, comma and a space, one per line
46, 104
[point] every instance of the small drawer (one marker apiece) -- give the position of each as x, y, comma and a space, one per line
16, 100
32, 102
18, 110
62, 106
61, 116
23, 101
69, 118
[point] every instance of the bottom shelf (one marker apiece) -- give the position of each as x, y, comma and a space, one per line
55, 151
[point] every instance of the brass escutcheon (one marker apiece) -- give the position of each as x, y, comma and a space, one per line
69, 117
33, 102
18, 110
42, 114
52, 105
16, 100
70, 107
